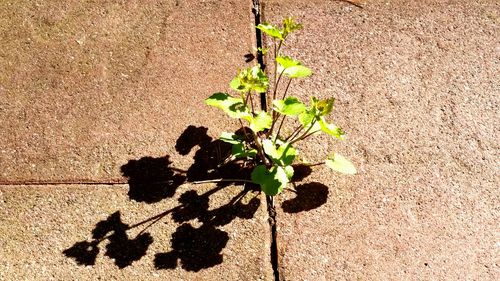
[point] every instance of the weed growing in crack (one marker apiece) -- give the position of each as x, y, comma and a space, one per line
262, 143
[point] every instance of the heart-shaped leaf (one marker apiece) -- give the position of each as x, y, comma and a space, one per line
341, 164
239, 151
231, 138
270, 30
283, 155
306, 117
234, 107
331, 129
298, 71
289, 25
324, 107
289, 172
290, 106
260, 122
271, 181
292, 68
286, 62
250, 79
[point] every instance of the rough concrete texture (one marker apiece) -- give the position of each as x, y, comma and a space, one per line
86, 87
81, 233
417, 92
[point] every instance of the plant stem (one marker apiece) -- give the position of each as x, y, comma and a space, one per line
315, 164
244, 99
261, 150
279, 128
305, 134
296, 131
286, 89
244, 129
308, 135
275, 62
303, 137
220, 180
276, 85
275, 118
251, 102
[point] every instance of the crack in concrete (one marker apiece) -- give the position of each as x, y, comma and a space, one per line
65, 182
257, 11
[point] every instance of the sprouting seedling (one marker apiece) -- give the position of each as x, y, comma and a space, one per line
263, 144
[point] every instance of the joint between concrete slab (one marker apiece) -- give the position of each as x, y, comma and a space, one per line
257, 11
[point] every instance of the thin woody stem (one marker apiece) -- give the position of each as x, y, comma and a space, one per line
286, 89
279, 128
221, 180
251, 102
296, 131
305, 134
305, 137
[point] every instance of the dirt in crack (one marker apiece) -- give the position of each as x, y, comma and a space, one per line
274, 245
257, 11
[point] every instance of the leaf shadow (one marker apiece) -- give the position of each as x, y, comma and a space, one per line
309, 196
154, 179
123, 250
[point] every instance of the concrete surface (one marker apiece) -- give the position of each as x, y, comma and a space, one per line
87, 87
80, 233
417, 92
113, 93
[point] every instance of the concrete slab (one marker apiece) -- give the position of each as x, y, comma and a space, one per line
84, 88
417, 92
82, 232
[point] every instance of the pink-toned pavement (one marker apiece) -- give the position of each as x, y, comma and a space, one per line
417, 88
86, 87
95, 95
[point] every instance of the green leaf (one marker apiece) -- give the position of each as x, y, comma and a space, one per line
250, 79
286, 62
270, 149
290, 106
260, 122
292, 68
234, 107
239, 151
287, 153
271, 181
298, 71
324, 107
341, 164
330, 129
270, 30
283, 155
231, 138
306, 117
236, 85
289, 25
263, 51
289, 172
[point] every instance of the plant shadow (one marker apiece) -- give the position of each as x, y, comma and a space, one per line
308, 196
154, 179
193, 246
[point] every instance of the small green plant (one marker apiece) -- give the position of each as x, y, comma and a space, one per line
263, 145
